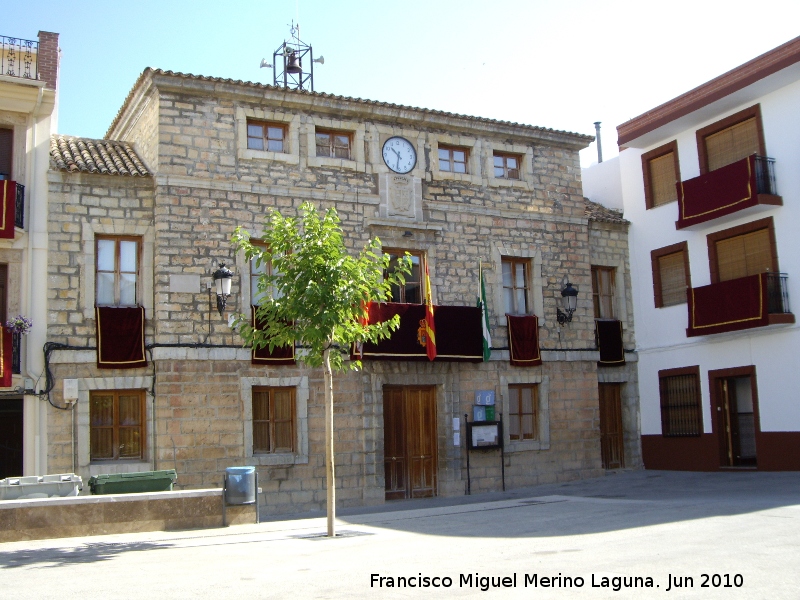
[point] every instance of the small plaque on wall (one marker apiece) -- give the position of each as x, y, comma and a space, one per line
484, 398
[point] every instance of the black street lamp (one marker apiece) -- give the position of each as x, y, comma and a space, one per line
569, 299
222, 281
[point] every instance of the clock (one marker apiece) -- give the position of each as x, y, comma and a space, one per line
399, 154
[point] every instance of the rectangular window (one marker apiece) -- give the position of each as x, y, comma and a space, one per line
506, 166
523, 401
256, 270
335, 144
412, 291
117, 263
603, 292
273, 420
6, 152
116, 419
453, 160
266, 136
515, 285
670, 274
731, 139
680, 402
742, 251
661, 173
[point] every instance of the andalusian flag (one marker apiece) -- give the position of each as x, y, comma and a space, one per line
430, 328
487, 338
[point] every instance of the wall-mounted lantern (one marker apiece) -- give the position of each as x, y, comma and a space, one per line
222, 281
569, 299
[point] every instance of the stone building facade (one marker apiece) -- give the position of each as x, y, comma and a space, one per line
207, 155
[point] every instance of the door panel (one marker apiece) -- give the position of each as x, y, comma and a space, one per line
409, 442
10, 438
612, 443
737, 422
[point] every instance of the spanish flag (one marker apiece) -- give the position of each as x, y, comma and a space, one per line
430, 328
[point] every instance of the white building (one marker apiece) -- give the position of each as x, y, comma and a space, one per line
28, 109
714, 261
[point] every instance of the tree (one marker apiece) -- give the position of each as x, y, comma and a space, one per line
316, 297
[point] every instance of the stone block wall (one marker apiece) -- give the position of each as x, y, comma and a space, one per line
206, 182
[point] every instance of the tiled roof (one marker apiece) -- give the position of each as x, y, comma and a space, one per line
107, 157
578, 137
598, 212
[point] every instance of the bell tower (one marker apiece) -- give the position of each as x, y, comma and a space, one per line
288, 60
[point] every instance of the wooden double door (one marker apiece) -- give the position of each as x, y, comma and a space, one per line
612, 439
409, 442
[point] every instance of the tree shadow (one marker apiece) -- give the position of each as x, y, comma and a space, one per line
48, 558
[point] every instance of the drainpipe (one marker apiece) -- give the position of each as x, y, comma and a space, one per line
599, 145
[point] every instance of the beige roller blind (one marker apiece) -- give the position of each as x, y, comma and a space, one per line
672, 268
743, 255
731, 144
662, 179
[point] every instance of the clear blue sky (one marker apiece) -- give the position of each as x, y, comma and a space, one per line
560, 64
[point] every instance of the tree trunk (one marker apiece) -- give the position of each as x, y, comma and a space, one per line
329, 471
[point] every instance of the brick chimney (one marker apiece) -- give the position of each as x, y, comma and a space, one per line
48, 58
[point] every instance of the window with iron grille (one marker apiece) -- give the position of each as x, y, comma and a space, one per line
335, 144
515, 285
273, 420
266, 136
117, 270
680, 402
507, 166
453, 159
116, 425
523, 402
412, 291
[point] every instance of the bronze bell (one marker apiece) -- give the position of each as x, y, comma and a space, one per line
293, 64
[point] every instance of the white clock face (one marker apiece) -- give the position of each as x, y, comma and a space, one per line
399, 155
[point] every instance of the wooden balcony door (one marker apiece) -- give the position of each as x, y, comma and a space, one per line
409, 441
737, 415
612, 442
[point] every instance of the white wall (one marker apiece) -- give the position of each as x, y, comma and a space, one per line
660, 333
602, 183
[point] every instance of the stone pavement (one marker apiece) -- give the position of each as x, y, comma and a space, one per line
688, 535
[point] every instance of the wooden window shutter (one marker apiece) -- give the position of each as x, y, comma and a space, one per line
663, 179
6, 151
672, 268
743, 255
732, 143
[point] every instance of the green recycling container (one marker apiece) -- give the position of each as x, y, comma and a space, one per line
133, 483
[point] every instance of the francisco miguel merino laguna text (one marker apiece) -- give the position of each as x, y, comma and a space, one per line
484, 582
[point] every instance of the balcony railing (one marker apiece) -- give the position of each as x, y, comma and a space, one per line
19, 58
16, 353
736, 304
778, 293
765, 175
730, 189
19, 207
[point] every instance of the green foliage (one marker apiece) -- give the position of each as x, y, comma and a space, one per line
316, 294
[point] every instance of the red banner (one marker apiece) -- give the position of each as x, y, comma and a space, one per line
609, 341
8, 204
120, 337
6, 352
728, 306
283, 355
721, 192
523, 340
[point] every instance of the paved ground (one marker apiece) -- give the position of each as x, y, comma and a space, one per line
674, 531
